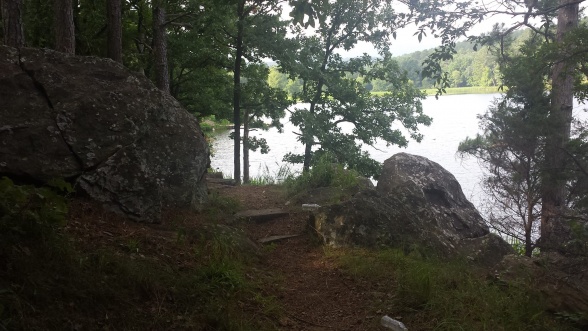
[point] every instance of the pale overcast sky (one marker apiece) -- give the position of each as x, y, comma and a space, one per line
407, 42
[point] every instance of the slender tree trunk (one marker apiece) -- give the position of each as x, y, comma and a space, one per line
12, 23
316, 98
307, 156
310, 139
140, 42
160, 47
529, 227
246, 178
65, 37
76, 19
237, 91
114, 14
553, 191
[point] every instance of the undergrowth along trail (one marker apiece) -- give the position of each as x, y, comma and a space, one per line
76, 266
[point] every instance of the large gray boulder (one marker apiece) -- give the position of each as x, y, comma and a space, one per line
109, 130
416, 205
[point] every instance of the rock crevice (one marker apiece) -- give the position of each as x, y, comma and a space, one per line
127, 144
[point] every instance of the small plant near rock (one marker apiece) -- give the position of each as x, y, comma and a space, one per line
519, 246
132, 245
23, 208
324, 173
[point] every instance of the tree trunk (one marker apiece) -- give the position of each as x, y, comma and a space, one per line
307, 157
529, 226
114, 14
65, 38
553, 192
310, 142
317, 98
237, 91
140, 41
246, 178
160, 47
12, 23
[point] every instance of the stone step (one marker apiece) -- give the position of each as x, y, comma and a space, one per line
221, 181
271, 239
261, 215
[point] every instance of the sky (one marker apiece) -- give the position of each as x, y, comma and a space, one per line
406, 42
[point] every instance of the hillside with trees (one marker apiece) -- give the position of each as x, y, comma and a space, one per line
470, 66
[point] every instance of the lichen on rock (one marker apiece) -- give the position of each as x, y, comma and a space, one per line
96, 123
416, 204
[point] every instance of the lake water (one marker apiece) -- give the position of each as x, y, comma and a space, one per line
454, 118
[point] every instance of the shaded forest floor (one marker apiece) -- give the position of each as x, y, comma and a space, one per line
205, 271
313, 290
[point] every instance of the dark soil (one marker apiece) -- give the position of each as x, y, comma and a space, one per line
314, 292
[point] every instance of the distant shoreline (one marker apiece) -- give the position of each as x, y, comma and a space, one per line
458, 90
466, 90
210, 125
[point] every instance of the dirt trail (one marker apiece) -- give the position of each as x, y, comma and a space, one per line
315, 293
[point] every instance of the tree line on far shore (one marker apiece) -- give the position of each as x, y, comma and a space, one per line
468, 67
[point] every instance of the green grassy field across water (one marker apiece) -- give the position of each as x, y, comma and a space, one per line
457, 90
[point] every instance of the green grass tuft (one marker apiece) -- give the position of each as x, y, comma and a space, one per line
268, 177
435, 295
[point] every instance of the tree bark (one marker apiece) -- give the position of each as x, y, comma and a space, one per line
307, 157
553, 191
114, 14
529, 226
140, 41
317, 97
12, 23
160, 47
237, 91
246, 178
65, 39
310, 137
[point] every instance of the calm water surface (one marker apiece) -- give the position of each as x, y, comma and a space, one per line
454, 118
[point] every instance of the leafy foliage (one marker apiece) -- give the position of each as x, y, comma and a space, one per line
263, 106
512, 145
342, 115
324, 173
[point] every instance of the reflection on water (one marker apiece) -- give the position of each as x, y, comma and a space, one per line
454, 118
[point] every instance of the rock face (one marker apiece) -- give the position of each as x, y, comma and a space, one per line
416, 203
96, 123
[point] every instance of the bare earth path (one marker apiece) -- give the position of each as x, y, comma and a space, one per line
315, 293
